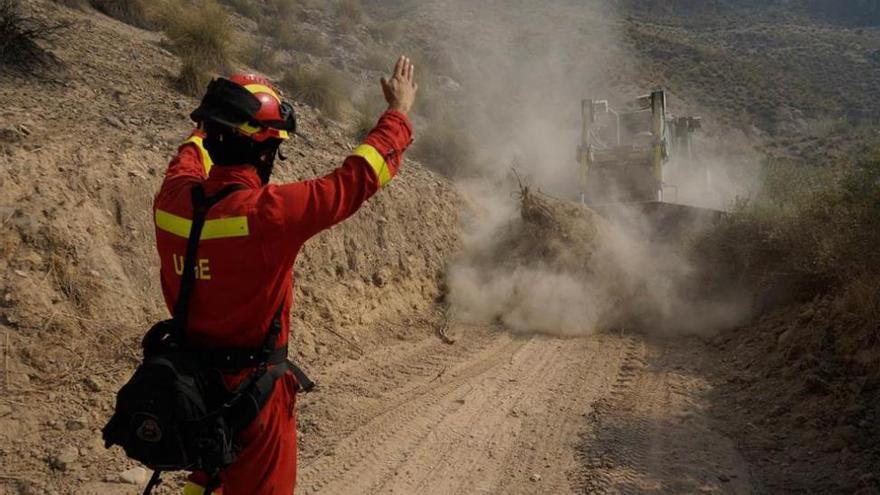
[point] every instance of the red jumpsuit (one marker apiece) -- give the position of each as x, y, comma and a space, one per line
244, 271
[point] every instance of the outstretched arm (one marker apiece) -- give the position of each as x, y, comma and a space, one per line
311, 206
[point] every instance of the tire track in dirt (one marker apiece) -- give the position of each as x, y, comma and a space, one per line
553, 424
354, 393
480, 424
358, 454
651, 436
497, 415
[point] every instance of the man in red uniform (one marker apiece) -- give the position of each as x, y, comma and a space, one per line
251, 238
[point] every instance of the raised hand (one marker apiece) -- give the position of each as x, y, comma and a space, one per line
400, 90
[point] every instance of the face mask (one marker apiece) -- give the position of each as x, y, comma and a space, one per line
230, 149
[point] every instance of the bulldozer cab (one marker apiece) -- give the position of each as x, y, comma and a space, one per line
622, 152
622, 155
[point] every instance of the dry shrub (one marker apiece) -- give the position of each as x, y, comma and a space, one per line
200, 34
283, 9
192, 78
808, 233
320, 87
446, 148
259, 55
290, 37
350, 13
366, 118
20, 36
247, 8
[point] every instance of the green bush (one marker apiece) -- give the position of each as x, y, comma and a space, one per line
320, 87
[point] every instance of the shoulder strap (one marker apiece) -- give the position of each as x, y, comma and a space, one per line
201, 205
154, 482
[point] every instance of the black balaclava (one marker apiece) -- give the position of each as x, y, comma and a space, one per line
228, 148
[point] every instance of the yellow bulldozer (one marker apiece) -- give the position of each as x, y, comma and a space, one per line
623, 155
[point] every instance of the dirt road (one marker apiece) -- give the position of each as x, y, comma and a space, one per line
498, 413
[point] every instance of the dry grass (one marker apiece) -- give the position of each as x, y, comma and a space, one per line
259, 54
248, 8
320, 87
350, 13
446, 148
200, 35
294, 37
368, 111
192, 78
284, 9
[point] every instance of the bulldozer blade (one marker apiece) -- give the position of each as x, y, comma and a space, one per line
657, 220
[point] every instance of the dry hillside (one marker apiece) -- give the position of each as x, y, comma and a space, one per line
785, 400
82, 152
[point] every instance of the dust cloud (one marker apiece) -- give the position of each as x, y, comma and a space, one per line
559, 268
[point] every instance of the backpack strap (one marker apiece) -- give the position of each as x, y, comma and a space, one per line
155, 480
201, 205
271, 338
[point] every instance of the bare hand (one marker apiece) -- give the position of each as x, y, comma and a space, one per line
400, 90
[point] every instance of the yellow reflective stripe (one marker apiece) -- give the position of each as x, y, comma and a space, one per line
218, 228
191, 488
260, 88
376, 161
206, 158
249, 129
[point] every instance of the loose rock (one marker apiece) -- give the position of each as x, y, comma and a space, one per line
67, 456
134, 476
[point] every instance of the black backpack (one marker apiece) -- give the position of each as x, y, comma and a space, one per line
175, 413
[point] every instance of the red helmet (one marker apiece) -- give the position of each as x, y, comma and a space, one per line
250, 104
